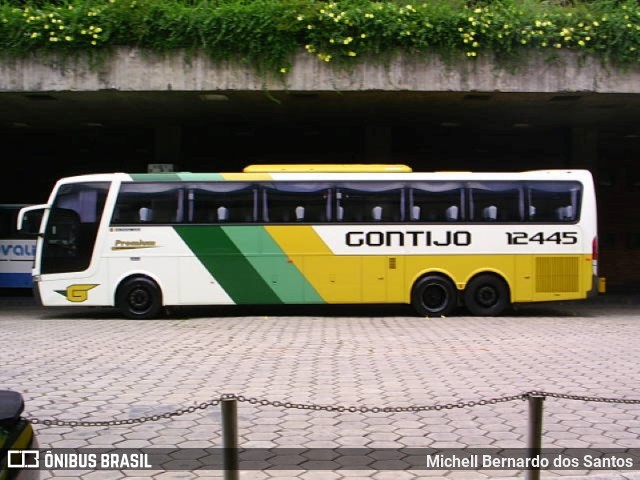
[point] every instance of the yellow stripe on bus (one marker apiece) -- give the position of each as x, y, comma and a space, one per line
246, 177
329, 168
389, 278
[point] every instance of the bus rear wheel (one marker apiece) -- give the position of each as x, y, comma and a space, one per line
486, 295
434, 296
139, 298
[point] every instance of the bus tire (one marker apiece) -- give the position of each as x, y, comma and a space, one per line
434, 296
486, 295
139, 298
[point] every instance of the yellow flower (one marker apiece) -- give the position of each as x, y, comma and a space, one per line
283, 70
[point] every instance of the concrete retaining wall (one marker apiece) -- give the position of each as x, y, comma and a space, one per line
135, 70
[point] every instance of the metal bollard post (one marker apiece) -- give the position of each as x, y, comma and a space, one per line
229, 409
534, 437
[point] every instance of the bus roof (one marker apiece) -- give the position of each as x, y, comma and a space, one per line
333, 175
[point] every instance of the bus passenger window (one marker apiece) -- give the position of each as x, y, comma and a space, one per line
496, 201
436, 201
554, 201
370, 202
296, 202
154, 203
221, 202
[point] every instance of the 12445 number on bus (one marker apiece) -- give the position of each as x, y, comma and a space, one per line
559, 238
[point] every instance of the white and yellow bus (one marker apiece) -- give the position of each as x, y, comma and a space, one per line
315, 234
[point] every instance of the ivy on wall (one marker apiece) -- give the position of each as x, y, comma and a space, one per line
267, 33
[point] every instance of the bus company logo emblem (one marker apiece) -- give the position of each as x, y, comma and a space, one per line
77, 293
133, 244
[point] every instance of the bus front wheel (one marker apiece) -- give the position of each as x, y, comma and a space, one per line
139, 298
434, 296
486, 295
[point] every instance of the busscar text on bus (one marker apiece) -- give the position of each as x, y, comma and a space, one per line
315, 234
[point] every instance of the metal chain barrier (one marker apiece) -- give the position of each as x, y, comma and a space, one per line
128, 421
325, 408
584, 398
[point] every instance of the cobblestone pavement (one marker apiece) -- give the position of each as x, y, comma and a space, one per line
88, 364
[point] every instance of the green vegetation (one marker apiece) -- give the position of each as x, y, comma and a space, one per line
267, 33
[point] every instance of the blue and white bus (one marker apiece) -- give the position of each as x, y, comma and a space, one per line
17, 248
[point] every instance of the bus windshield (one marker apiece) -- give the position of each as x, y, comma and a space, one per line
72, 227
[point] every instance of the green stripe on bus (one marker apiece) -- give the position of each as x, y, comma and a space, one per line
228, 265
273, 265
155, 177
200, 177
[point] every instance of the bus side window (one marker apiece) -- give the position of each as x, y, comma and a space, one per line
146, 203
370, 202
436, 201
496, 201
293, 202
220, 202
554, 201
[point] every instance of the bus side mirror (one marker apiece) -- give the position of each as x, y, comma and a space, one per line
29, 219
